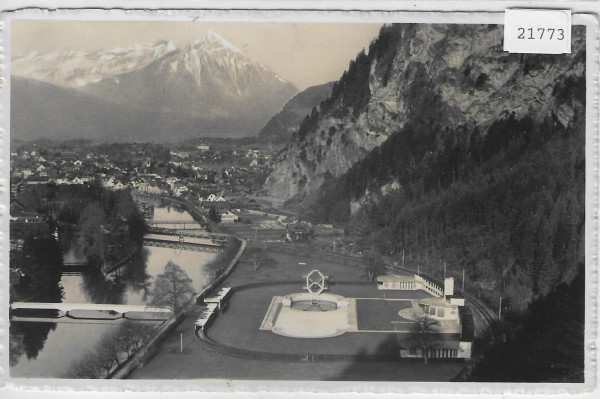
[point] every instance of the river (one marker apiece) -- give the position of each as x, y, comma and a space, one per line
67, 342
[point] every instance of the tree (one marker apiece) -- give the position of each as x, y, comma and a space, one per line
16, 346
172, 288
108, 350
545, 348
259, 257
89, 366
92, 223
214, 215
384, 241
132, 337
374, 265
42, 265
422, 334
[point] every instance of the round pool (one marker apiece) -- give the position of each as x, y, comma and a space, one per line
314, 306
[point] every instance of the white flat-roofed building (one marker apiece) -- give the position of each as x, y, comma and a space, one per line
412, 282
453, 328
397, 282
228, 217
439, 308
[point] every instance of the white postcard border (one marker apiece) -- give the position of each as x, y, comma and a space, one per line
592, 198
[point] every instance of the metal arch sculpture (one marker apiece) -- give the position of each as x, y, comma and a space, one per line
315, 282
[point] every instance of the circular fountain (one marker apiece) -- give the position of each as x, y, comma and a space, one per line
310, 314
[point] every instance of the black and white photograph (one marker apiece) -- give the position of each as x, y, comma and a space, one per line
369, 200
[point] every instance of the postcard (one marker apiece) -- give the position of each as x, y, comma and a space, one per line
298, 200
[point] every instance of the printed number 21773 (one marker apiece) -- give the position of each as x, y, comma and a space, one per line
541, 34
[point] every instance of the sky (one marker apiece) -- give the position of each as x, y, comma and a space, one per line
305, 54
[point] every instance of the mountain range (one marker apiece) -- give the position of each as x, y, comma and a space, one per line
72, 68
145, 92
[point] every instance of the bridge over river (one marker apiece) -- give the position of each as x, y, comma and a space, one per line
95, 311
181, 224
184, 242
189, 233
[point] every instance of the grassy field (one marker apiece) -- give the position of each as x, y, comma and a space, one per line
238, 327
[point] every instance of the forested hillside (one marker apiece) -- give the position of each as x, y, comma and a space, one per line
280, 127
480, 163
507, 205
550, 344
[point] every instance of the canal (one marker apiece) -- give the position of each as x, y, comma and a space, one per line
51, 348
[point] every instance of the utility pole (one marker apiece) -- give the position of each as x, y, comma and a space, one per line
181, 344
402, 258
463, 281
500, 309
333, 244
444, 269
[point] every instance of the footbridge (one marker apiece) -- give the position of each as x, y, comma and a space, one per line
75, 268
159, 222
189, 233
184, 243
120, 311
183, 224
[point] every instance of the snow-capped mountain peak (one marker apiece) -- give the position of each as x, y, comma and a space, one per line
209, 79
215, 64
74, 68
208, 83
215, 39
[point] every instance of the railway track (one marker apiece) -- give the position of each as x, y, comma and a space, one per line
488, 322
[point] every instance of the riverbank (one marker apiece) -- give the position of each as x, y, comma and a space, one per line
189, 208
117, 265
164, 331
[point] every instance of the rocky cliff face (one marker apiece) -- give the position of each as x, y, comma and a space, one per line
455, 74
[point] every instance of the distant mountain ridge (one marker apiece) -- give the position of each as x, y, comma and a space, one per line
65, 113
282, 125
208, 88
72, 68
